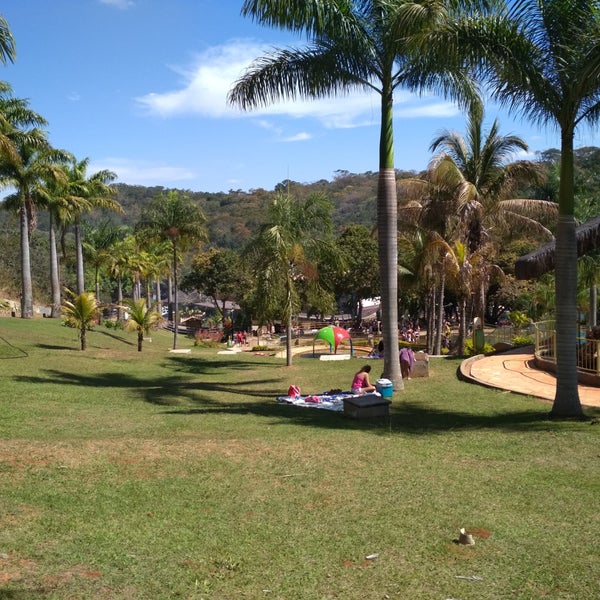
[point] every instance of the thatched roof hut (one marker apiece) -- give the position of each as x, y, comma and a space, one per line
542, 260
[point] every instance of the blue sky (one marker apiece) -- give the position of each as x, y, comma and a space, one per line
139, 87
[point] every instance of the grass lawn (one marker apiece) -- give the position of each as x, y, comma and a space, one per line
127, 475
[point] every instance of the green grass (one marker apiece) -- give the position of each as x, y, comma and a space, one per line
153, 475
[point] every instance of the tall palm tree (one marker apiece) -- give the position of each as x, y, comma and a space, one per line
286, 252
477, 174
542, 59
81, 313
8, 51
27, 163
142, 319
86, 193
119, 266
97, 245
484, 161
357, 44
57, 208
173, 216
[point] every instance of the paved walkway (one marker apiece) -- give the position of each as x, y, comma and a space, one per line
515, 371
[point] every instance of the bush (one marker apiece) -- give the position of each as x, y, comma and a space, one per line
522, 340
470, 351
206, 343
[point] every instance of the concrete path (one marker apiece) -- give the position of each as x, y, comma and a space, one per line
515, 371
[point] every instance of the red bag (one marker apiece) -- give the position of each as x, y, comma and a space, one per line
293, 391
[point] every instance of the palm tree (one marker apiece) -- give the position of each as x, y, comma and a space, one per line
85, 194
484, 162
8, 50
27, 164
369, 45
120, 266
173, 216
542, 58
97, 246
286, 252
81, 314
474, 172
141, 319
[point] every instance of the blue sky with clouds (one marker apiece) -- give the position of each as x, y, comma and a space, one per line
139, 87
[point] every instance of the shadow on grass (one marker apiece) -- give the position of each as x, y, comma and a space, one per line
117, 337
11, 351
28, 594
56, 347
256, 395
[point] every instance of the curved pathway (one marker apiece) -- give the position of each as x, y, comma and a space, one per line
515, 371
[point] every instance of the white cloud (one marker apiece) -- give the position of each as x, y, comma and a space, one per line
122, 4
142, 172
206, 83
299, 137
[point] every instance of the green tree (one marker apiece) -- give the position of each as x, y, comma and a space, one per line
142, 319
81, 314
219, 274
485, 162
542, 58
368, 45
98, 243
27, 163
8, 51
359, 276
175, 217
286, 252
84, 194
120, 266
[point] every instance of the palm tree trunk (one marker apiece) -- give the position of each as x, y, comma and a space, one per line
175, 296
387, 226
440, 316
26, 284
97, 282
566, 401
119, 296
82, 335
79, 254
593, 305
140, 340
288, 324
430, 320
462, 328
158, 295
54, 271
170, 297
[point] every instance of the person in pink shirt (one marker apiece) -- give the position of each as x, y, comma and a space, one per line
361, 383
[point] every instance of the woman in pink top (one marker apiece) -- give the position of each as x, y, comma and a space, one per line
361, 383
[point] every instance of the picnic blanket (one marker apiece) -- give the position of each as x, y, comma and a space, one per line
324, 401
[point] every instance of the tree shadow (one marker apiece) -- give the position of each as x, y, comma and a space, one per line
56, 347
117, 337
14, 351
256, 395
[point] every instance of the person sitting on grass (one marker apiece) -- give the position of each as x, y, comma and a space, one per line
361, 383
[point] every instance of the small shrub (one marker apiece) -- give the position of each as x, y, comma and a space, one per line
522, 340
470, 350
260, 348
206, 343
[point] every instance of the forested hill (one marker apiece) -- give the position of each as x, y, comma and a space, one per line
235, 215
